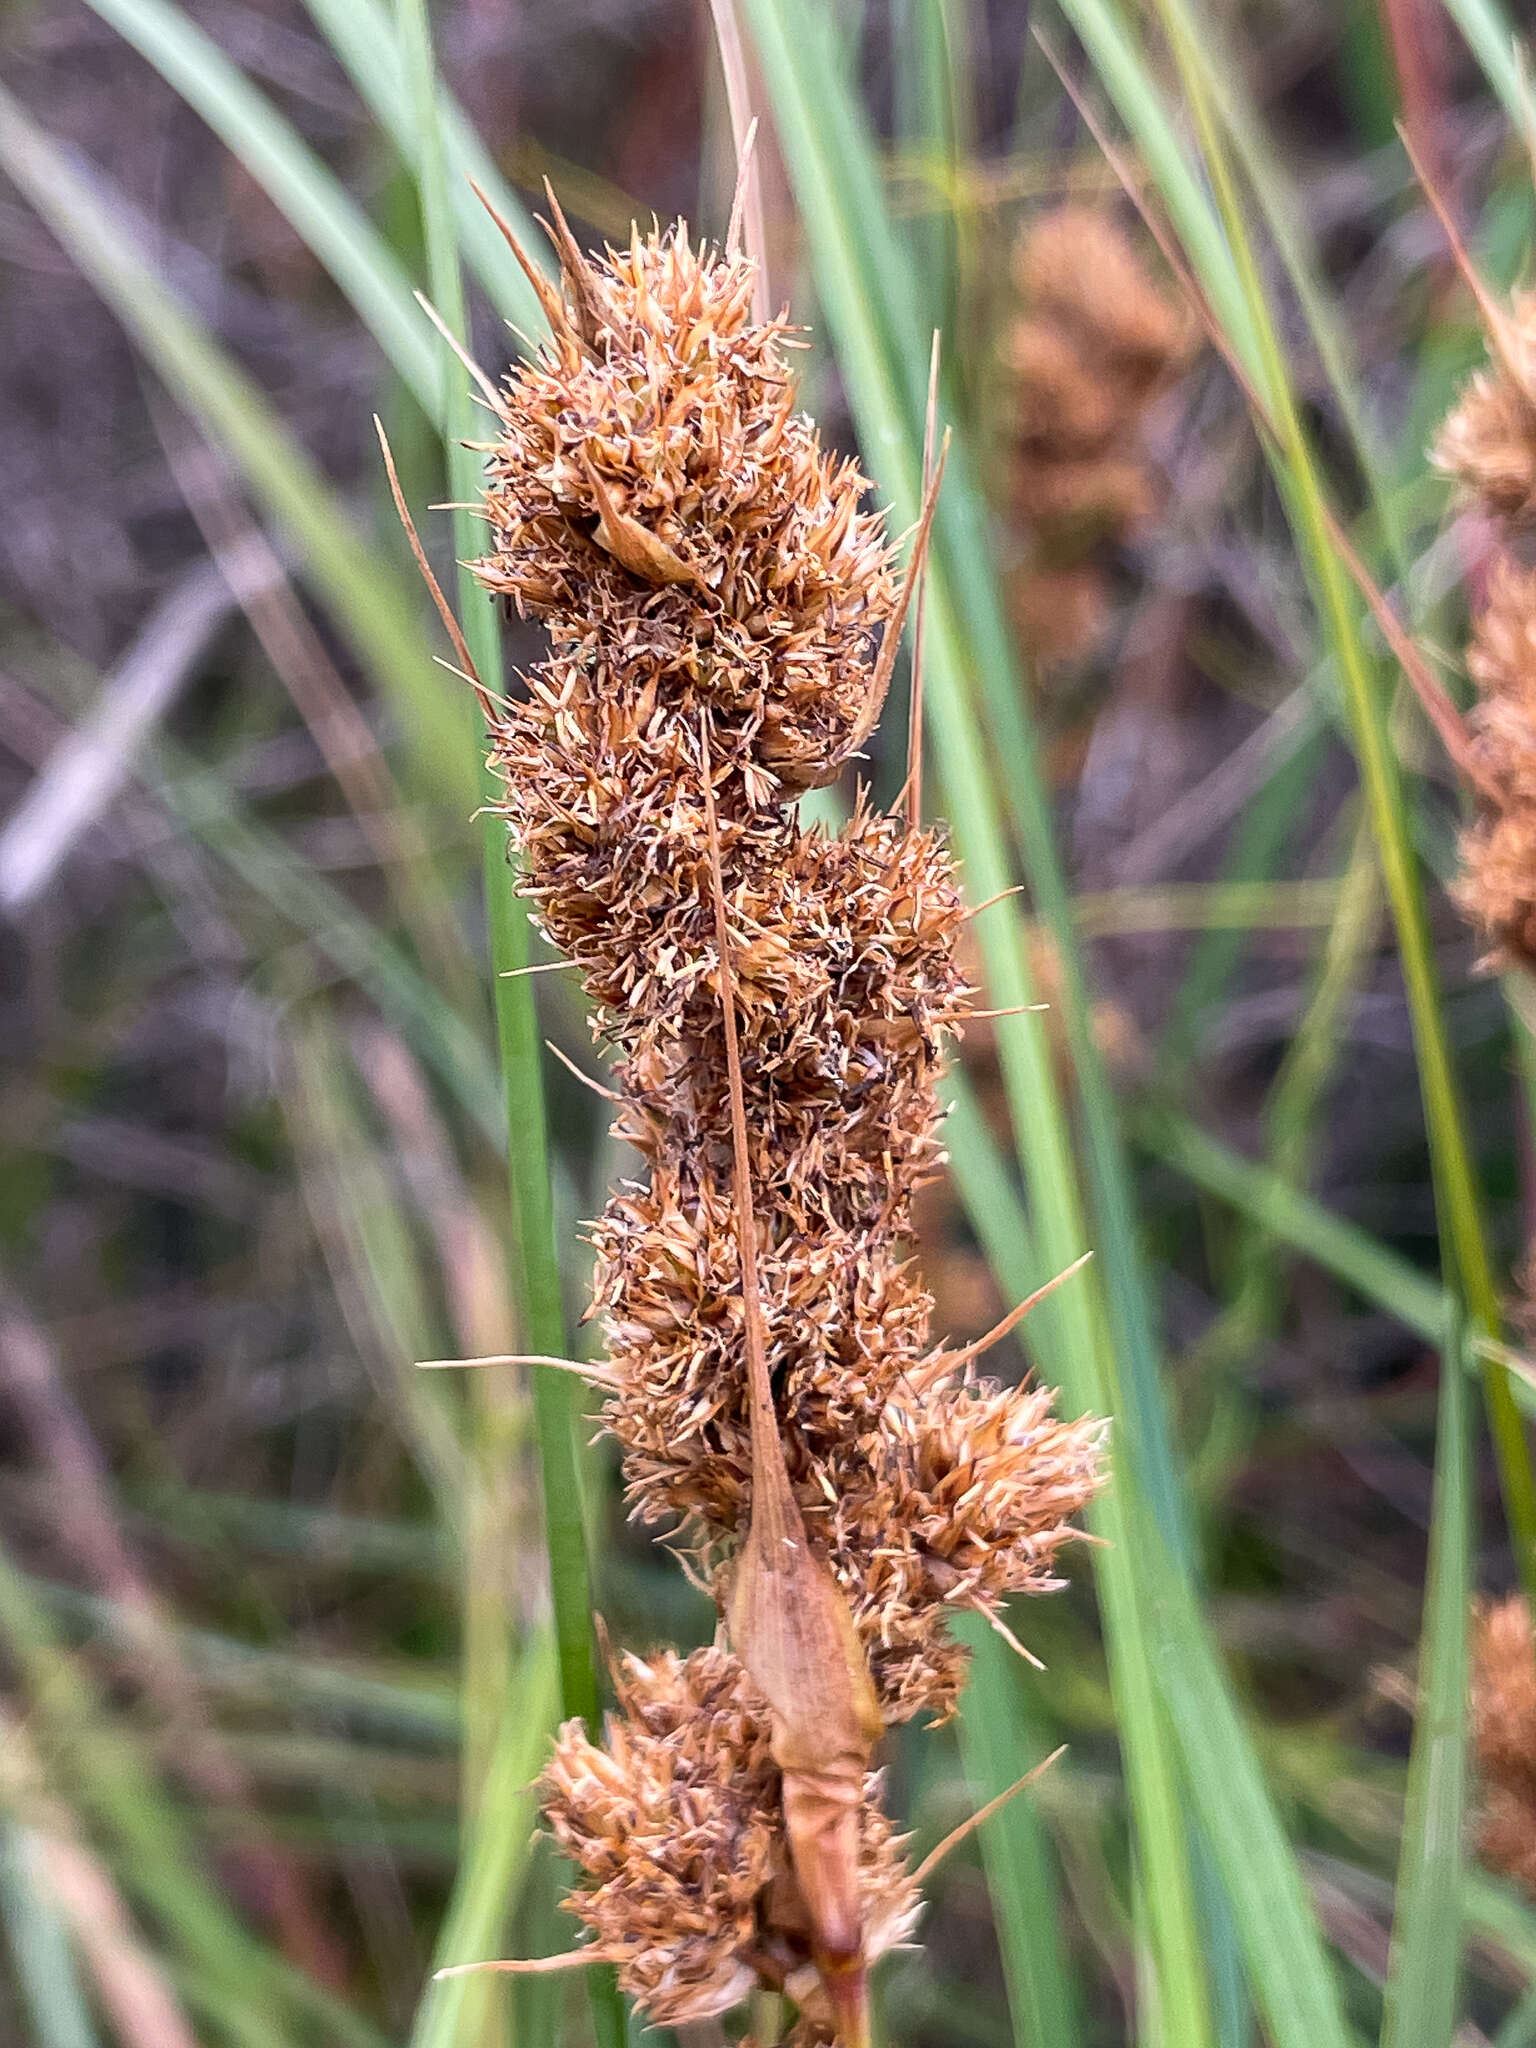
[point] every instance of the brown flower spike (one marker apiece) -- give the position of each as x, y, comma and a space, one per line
721, 612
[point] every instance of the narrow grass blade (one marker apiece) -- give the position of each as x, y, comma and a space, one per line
312, 200
364, 41
1292, 1979
929, 133
365, 601
497, 1857
1425, 1972
44, 1962
1043, 1993
1490, 36
535, 1256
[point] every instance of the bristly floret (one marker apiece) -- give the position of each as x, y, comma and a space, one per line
675, 1823
669, 441
963, 1496
1488, 440
683, 1785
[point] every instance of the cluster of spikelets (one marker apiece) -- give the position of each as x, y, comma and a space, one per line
1489, 443
675, 1824
1504, 1727
714, 595
1093, 342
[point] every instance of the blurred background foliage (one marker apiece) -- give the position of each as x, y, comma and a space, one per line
283, 1623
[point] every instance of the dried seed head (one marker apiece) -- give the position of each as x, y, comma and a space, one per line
1497, 889
1504, 1695
672, 1824
1060, 611
1488, 442
963, 1498
1076, 268
712, 590
1502, 663
676, 1826
1093, 342
655, 491
1504, 1730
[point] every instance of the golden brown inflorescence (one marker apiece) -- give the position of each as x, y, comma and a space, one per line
1489, 444
675, 1822
1504, 1726
1093, 343
714, 591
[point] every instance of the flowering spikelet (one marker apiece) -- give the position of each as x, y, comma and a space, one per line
714, 593
1504, 1725
1093, 343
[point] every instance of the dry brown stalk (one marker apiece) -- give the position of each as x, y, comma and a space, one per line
723, 617
787, 1617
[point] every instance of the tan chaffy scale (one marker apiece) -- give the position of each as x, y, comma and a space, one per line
716, 600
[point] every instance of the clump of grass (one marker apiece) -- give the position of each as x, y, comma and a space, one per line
724, 616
